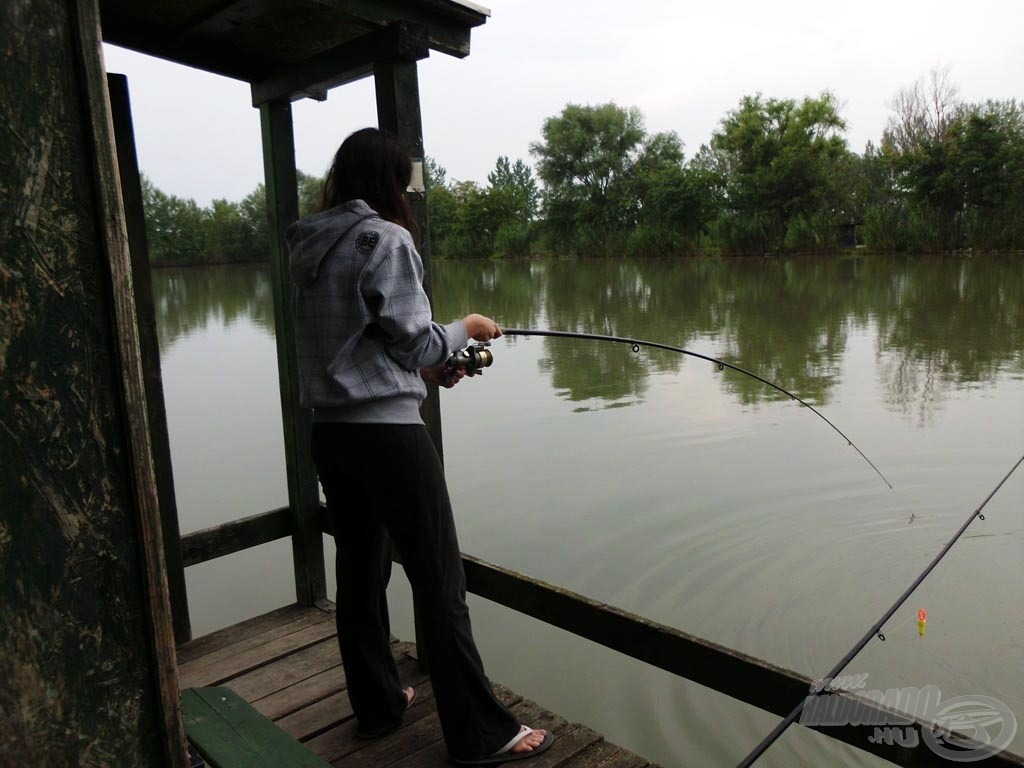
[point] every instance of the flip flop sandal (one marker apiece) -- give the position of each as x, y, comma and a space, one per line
506, 755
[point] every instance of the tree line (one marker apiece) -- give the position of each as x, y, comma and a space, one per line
777, 176
181, 232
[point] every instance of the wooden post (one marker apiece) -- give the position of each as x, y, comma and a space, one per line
303, 493
131, 194
398, 112
113, 234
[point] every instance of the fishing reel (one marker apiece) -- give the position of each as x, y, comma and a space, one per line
471, 359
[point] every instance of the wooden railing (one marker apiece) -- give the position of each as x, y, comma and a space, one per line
742, 677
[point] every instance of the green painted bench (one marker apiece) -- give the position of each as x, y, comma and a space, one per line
229, 733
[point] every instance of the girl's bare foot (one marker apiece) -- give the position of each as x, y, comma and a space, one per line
529, 742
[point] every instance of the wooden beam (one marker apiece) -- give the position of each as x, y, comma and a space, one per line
398, 112
448, 25
396, 85
113, 233
238, 535
345, 63
131, 194
226, 17
220, 540
130, 33
303, 490
745, 678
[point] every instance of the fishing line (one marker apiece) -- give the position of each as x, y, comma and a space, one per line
876, 629
636, 344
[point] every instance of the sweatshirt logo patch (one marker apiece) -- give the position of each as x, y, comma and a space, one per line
366, 242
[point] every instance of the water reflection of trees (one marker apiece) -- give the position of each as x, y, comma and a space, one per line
787, 322
512, 292
604, 297
941, 324
188, 300
950, 324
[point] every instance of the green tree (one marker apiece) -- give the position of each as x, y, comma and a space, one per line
957, 171
311, 191
512, 202
779, 159
180, 231
175, 227
442, 207
253, 210
990, 157
471, 232
660, 160
467, 220
434, 174
923, 210
678, 200
585, 160
518, 199
227, 232
457, 215
704, 187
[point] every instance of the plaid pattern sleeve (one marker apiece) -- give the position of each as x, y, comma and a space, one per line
393, 290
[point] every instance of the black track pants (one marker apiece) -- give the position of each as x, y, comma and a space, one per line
381, 481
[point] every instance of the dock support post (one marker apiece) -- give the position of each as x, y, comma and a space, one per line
138, 247
398, 112
136, 505
303, 492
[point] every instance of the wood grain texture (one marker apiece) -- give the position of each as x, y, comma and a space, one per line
145, 320
84, 683
244, 657
229, 733
287, 671
304, 693
276, 620
297, 422
128, 350
235, 536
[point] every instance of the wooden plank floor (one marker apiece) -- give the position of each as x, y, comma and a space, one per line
286, 664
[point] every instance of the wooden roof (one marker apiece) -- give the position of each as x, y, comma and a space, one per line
290, 48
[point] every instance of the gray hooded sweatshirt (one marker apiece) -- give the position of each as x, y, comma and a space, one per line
363, 327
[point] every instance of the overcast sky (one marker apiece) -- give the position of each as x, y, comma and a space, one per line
684, 63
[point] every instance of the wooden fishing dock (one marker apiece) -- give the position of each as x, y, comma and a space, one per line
286, 664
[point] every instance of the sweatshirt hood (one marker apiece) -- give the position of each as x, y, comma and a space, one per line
312, 238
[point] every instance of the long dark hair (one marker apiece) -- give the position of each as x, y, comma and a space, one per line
370, 165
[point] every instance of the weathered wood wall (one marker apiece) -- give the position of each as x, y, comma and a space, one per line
81, 682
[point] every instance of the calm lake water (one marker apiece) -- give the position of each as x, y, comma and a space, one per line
699, 498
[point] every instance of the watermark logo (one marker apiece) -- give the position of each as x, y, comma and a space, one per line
963, 729
987, 722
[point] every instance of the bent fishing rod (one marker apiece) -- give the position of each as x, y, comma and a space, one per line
636, 344
876, 629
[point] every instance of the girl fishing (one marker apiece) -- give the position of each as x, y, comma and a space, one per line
366, 343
